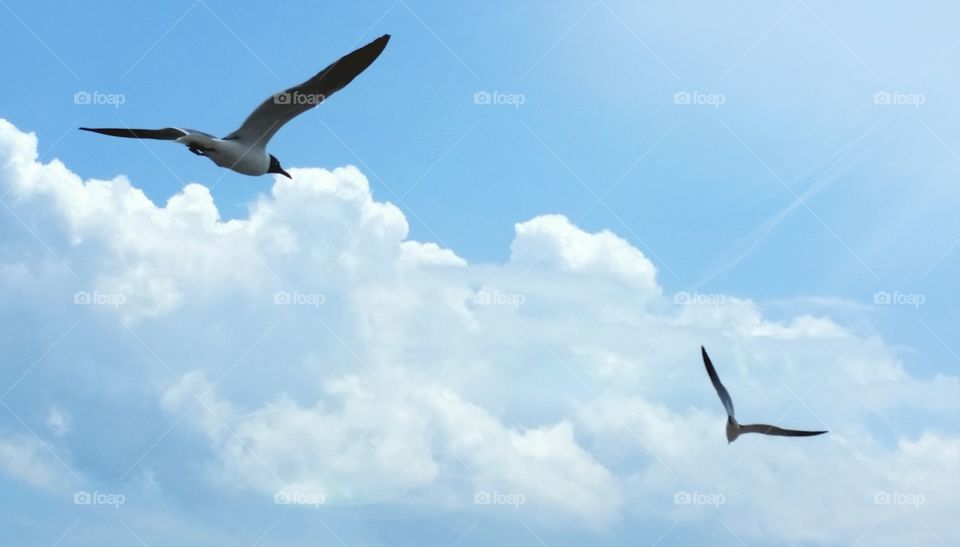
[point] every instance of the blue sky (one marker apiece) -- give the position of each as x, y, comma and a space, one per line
795, 186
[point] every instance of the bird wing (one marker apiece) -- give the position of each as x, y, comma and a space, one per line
278, 109
166, 134
774, 430
721, 391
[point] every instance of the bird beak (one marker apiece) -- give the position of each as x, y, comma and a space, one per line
284, 173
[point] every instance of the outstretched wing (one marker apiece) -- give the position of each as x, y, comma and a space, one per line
165, 134
721, 391
282, 107
774, 430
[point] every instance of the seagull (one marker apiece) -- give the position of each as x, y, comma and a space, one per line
245, 150
734, 428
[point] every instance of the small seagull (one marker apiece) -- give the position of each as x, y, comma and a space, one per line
734, 429
245, 150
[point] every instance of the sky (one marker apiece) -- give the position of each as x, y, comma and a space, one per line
474, 314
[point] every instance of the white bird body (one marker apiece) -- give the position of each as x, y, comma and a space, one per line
233, 154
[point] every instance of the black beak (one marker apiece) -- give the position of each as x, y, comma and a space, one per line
284, 173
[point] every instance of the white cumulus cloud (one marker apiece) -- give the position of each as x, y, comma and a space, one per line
313, 347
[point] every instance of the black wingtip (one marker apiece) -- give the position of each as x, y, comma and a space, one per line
369, 52
378, 43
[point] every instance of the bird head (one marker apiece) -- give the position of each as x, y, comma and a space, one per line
275, 167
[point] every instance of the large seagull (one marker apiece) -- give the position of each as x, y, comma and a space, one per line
734, 428
245, 150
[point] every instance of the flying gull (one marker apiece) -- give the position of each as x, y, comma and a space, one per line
245, 150
734, 428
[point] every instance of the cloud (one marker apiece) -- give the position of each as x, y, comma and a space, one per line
554, 242
58, 421
28, 460
313, 347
